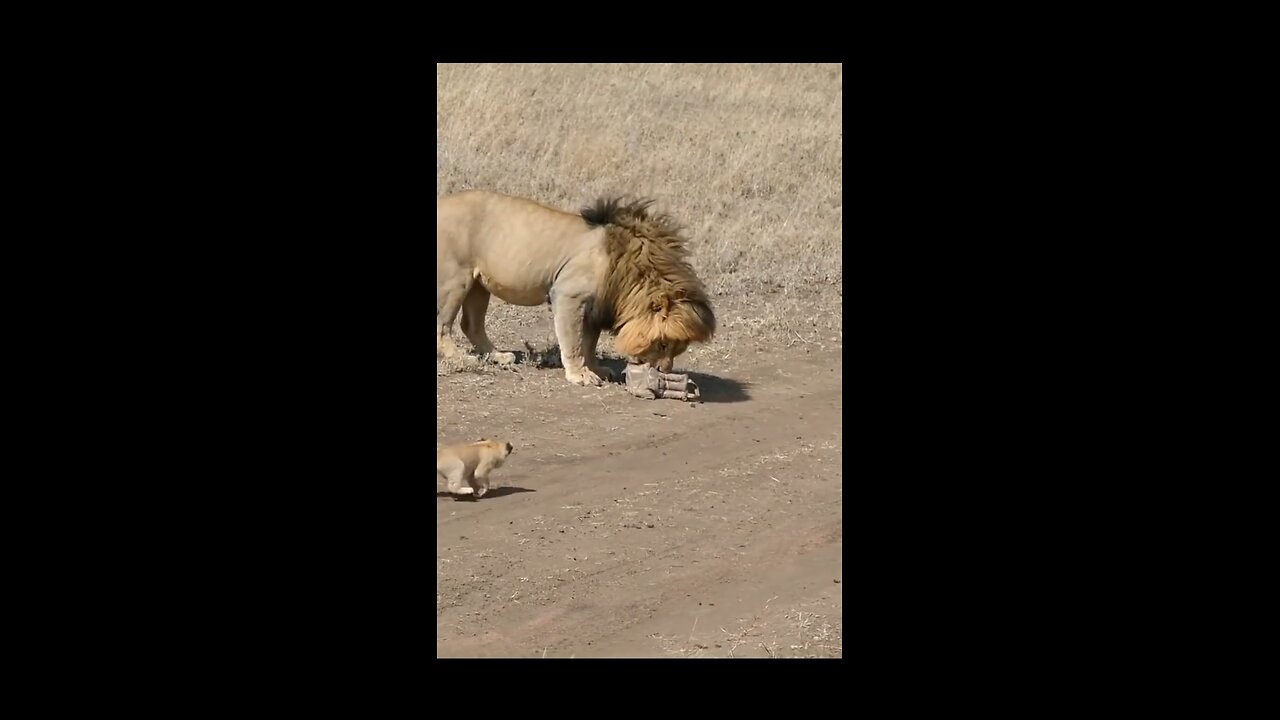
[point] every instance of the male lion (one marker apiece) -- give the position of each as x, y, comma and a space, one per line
611, 267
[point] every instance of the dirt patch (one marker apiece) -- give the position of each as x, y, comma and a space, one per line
618, 520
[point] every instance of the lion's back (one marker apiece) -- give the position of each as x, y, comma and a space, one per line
516, 244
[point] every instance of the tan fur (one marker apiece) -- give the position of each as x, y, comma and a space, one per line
611, 267
471, 462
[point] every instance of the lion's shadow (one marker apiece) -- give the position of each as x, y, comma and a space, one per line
713, 388
716, 389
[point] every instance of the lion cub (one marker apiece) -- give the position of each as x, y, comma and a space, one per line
472, 462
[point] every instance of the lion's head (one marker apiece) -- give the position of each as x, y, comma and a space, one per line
650, 296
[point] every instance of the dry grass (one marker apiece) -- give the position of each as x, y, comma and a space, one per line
748, 157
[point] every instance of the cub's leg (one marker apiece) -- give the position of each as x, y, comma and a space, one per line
480, 478
474, 307
454, 470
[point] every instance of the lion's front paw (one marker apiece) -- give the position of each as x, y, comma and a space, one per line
602, 372
464, 490
583, 377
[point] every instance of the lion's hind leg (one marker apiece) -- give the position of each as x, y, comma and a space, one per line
474, 307
451, 289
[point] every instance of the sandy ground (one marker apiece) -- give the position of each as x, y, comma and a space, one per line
623, 527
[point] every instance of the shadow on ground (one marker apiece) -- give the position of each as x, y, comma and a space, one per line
714, 389
717, 389
493, 493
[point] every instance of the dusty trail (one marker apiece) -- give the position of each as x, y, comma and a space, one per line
647, 528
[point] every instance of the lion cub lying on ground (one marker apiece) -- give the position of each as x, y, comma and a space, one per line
471, 462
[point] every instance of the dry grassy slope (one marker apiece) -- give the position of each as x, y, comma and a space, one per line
748, 157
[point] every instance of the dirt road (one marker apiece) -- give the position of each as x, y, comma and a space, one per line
623, 527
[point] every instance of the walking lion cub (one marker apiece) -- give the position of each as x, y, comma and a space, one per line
471, 462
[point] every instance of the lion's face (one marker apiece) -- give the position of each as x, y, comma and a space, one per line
644, 341
663, 354
502, 448
659, 336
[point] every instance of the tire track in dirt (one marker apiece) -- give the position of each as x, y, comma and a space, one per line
628, 528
